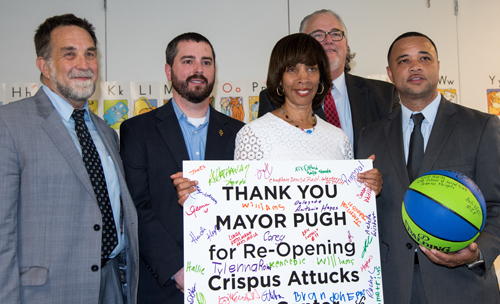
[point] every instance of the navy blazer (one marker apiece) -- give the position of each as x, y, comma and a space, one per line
463, 140
152, 148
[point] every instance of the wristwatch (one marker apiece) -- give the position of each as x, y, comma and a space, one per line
479, 262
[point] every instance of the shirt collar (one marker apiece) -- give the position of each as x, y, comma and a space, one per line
181, 116
64, 109
429, 112
339, 84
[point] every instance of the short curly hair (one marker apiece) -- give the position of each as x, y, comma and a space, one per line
290, 51
43, 34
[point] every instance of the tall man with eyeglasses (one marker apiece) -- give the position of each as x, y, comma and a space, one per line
357, 101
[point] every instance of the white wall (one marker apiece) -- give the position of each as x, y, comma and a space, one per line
18, 22
243, 33
479, 50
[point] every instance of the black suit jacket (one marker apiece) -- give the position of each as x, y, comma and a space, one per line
370, 100
463, 140
153, 148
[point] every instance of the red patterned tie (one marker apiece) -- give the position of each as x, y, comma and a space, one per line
332, 116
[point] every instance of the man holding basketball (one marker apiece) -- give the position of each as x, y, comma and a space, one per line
430, 133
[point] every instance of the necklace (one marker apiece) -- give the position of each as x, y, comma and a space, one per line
297, 125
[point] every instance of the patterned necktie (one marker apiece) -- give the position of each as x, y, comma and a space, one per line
93, 165
332, 116
416, 150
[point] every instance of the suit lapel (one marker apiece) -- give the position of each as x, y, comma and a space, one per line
170, 130
217, 136
394, 137
357, 103
320, 112
57, 132
109, 142
443, 126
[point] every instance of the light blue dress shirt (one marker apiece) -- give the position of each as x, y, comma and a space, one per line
341, 98
429, 113
429, 117
195, 138
64, 109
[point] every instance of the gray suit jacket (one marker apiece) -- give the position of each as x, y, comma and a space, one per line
48, 209
463, 140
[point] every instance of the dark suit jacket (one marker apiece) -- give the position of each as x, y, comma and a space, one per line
48, 209
153, 148
463, 140
370, 100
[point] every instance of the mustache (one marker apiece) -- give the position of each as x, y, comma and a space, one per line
417, 75
197, 76
81, 73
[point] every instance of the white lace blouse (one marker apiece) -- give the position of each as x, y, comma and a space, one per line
272, 138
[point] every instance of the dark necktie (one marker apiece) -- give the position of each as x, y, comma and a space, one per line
416, 150
332, 116
93, 165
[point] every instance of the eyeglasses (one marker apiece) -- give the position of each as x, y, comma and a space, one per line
320, 35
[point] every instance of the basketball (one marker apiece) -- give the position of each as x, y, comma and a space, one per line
444, 210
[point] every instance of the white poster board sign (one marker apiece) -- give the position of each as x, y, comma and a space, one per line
280, 232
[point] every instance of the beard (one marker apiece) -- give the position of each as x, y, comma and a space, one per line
335, 62
426, 90
198, 94
80, 90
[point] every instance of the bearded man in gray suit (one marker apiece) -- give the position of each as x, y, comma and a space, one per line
57, 245
450, 137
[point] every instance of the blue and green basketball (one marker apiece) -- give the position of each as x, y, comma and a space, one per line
444, 210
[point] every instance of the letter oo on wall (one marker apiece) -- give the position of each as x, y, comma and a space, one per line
227, 88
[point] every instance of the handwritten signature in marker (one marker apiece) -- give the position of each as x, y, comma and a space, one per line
266, 172
368, 241
191, 294
193, 209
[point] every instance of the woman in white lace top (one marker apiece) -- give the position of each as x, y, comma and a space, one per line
298, 80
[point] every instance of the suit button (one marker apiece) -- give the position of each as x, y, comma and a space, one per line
409, 245
97, 227
94, 268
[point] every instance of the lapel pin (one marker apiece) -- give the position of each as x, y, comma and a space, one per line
220, 132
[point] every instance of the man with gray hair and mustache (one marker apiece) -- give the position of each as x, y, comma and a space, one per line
68, 225
354, 102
